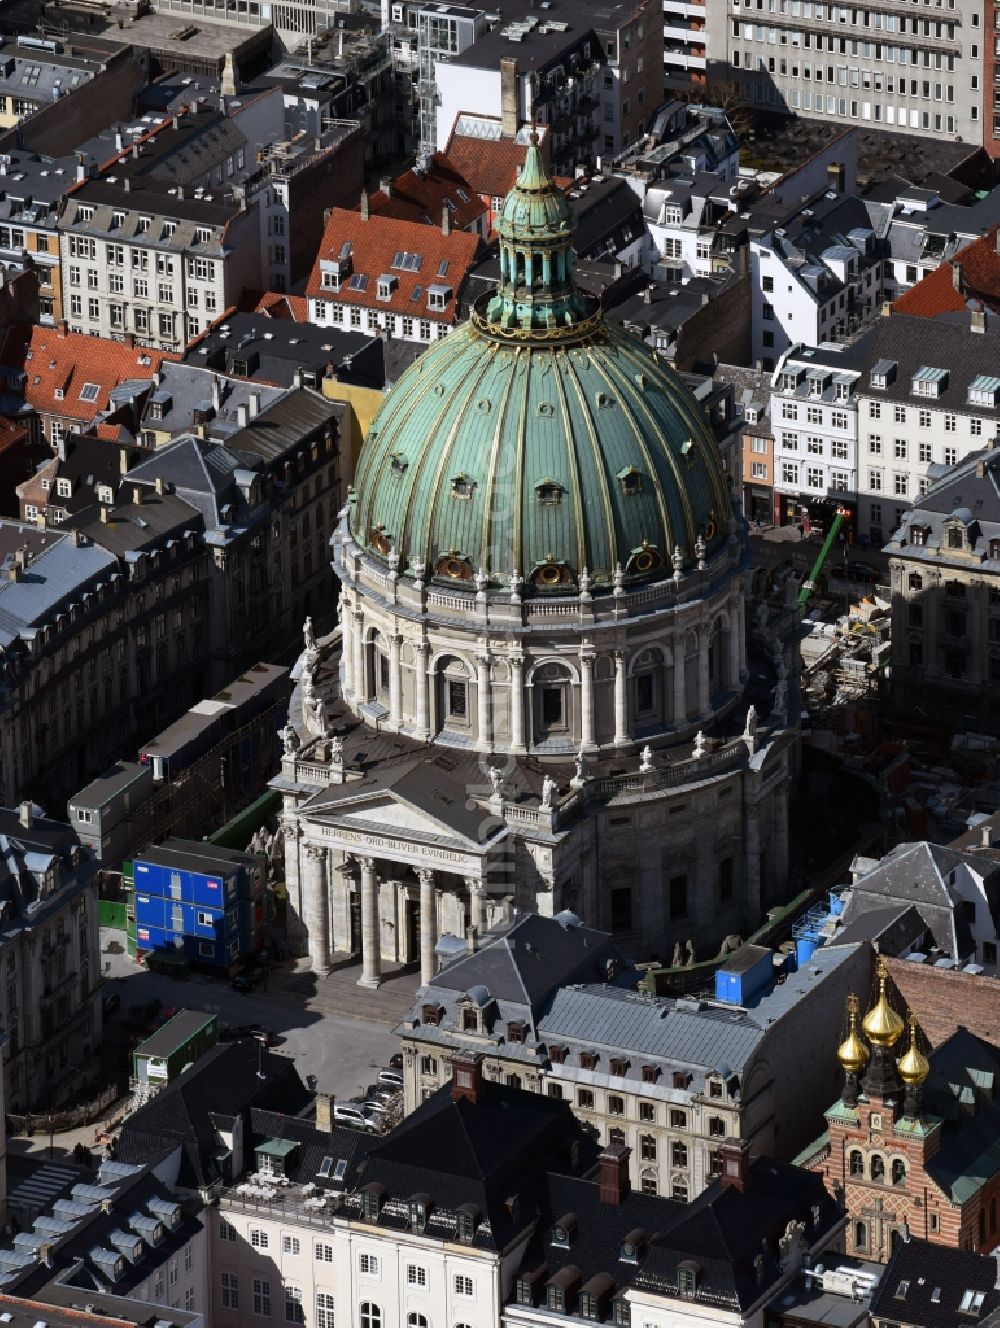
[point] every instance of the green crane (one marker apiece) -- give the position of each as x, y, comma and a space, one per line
809, 584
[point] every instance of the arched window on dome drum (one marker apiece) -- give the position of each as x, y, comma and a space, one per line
877, 1167
378, 670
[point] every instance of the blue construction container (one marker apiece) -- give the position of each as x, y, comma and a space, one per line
205, 901
745, 974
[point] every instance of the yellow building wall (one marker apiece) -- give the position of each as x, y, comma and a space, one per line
364, 403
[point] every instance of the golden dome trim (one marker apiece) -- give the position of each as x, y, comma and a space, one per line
882, 1025
913, 1065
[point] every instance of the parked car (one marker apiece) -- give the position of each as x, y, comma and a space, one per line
267, 1036
111, 1003
390, 1079
245, 982
374, 1114
396, 1062
351, 1113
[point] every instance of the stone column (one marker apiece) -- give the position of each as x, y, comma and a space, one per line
704, 682
423, 706
621, 701
358, 635
779, 837
680, 683
395, 680
751, 852
484, 704
477, 904
587, 700
317, 907
347, 649
371, 957
742, 635
428, 924
517, 703
734, 651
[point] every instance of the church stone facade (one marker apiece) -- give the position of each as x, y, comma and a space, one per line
537, 695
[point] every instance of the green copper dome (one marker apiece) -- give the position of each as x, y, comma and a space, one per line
537, 438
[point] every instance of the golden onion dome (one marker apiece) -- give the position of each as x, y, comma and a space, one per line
913, 1065
882, 1025
852, 1052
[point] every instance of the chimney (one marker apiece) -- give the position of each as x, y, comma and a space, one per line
836, 176
136, 495
105, 514
127, 185
647, 295
977, 321
466, 1076
129, 341
216, 392
25, 814
324, 1112
180, 191
445, 220
613, 1174
161, 485
123, 462
508, 97
985, 836
242, 415
363, 206
385, 184
62, 328
956, 277
254, 405
471, 939
735, 1164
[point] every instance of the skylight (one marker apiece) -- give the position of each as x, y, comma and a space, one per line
89, 391
358, 282
406, 262
326, 1166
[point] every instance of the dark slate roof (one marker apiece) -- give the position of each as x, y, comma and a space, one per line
964, 1088
198, 470
921, 874
896, 928
272, 349
525, 962
607, 217
131, 528
969, 494
304, 1165
725, 1230
282, 426
911, 343
223, 1081
926, 1286
459, 1152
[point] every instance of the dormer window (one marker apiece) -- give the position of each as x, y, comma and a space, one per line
619, 1066
841, 391
631, 481
588, 1060
563, 1232
680, 1079
430, 1014
438, 297
329, 279
462, 486
789, 381
994, 548
371, 1202
929, 382
471, 1019
650, 1074
956, 537
465, 1222
984, 390
883, 373
632, 1246
386, 286
419, 1207
515, 1031
549, 492
918, 535
687, 1280
557, 1055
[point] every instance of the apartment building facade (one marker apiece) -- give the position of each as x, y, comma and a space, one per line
50, 960
928, 397
921, 72
945, 569
144, 263
814, 410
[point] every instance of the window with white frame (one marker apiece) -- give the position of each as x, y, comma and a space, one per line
814, 444
789, 473
838, 419
463, 1285
294, 1312
789, 410
230, 1291
900, 484
899, 449
815, 477
226, 1231
951, 456
758, 470
368, 1265
324, 1309
324, 1252
258, 1238
838, 449
416, 1275
875, 481
289, 1244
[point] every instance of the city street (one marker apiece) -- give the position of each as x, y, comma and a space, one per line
331, 1028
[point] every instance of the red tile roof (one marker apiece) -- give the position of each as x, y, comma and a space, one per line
979, 268
277, 305
444, 261
489, 164
64, 362
421, 194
